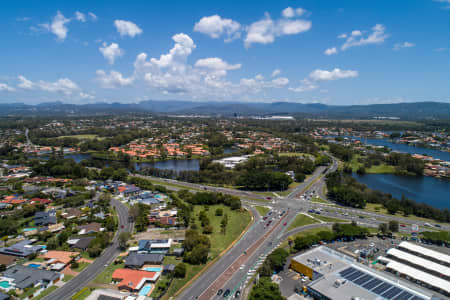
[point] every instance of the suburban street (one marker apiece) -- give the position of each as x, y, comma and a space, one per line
107, 257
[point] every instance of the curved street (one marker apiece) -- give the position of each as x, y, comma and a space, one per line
107, 257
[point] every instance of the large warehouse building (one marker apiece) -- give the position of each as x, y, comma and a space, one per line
335, 275
420, 265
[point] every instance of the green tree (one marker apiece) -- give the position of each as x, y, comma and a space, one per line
180, 270
393, 226
123, 239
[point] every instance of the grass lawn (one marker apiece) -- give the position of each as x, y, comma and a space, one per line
29, 292
328, 219
67, 278
106, 275
301, 220
319, 200
82, 136
262, 210
81, 266
237, 222
380, 169
45, 293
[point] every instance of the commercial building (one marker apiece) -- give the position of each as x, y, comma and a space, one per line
335, 276
420, 265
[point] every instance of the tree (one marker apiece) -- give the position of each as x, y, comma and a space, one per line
266, 290
74, 265
384, 228
208, 229
219, 212
223, 224
179, 271
393, 226
361, 171
123, 239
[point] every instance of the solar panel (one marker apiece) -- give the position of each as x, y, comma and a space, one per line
403, 296
392, 292
347, 271
363, 279
354, 275
371, 284
382, 288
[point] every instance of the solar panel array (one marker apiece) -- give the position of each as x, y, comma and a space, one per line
376, 285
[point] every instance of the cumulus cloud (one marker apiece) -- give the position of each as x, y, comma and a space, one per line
289, 12
276, 72
86, 96
399, 46
25, 83
125, 28
111, 52
5, 87
306, 85
215, 26
62, 85
215, 63
80, 16
356, 38
58, 26
113, 79
280, 82
266, 30
330, 51
321, 75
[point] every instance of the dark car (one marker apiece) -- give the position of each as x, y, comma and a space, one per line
237, 294
219, 292
227, 292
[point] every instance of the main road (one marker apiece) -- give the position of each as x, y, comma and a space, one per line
94, 269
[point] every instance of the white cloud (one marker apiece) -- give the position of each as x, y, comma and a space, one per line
58, 26
5, 87
306, 85
280, 81
127, 28
25, 83
215, 63
111, 52
215, 26
93, 16
440, 49
276, 72
320, 75
330, 51
289, 12
377, 36
86, 96
80, 16
113, 79
342, 36
266, 30
399, 46
62, 85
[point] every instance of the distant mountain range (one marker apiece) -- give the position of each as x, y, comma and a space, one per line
407, 111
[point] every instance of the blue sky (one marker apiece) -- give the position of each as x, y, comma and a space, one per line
333, 52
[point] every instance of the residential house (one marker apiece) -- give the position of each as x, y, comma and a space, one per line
133, 280
43, 218
72, 213
22, 277
80, 242
22, 249
93, 227
58, 260
155, 246
137, 260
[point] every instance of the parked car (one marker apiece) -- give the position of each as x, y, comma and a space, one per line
227, 292
219, 292
237, 294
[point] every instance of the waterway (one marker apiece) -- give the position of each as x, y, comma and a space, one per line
172, 164
429, 190
404, 148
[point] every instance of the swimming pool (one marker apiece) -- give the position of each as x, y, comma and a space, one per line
145, 290
34, 265
5, 284
28, 229
153, 269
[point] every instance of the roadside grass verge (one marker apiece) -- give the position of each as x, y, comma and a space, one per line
45, 293
328, 219
262, 210
301, 220
105, 277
